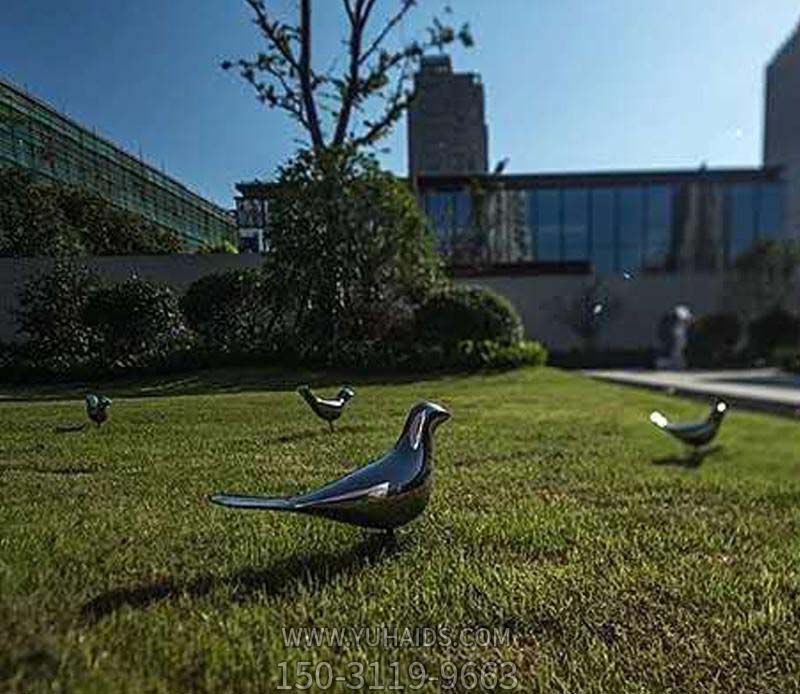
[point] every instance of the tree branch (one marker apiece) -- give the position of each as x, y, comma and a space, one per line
306, 88
391, 24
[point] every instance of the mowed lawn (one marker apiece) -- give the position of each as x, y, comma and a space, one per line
559, 514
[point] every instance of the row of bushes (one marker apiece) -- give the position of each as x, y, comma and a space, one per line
716, 339
48, 218
73, 325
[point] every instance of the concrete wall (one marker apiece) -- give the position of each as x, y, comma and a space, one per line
179, 271
636, 304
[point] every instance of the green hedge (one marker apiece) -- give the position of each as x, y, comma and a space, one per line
229, 312
712, 340
774, 330
468, 313
136, 324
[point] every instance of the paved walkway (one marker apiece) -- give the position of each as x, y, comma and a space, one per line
760, 388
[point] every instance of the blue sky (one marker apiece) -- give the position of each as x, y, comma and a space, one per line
571, 85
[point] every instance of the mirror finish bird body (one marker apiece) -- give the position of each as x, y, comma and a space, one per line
97, 408
329, 409
384, 494
694, 433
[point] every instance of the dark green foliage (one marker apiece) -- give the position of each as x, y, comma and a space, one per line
229, 311
138, 323
468, 313
32, 222
418, 357
223, 246
713, 340
50, 219
587, 312
108, 230
349, 251
788, 359
765, 276
486, 354
50, 317
775, 329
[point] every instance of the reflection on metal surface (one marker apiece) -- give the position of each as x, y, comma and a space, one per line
384, 494
329, 409
694, 433
96, 408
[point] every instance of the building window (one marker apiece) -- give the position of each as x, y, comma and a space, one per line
250, 213
603, 236
440, 209
741, 219
576, 224
658, 235
631, 228
548, 225
770, 211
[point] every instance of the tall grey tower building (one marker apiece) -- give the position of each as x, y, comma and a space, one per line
782, 124
446, 123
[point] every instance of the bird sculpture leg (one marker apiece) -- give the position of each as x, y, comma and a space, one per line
330, 424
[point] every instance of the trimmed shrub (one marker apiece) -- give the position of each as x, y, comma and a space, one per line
229, 311
485, 354
51, 318
476, 314
776, 329
138, 324
712, 340
467, 355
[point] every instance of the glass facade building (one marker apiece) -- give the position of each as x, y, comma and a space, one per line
616, 222
35, 137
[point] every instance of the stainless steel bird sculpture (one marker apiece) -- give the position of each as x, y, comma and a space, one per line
694, 434
97, 408
384, 494
329, 409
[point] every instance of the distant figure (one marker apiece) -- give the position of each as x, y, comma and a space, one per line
673, 334
680, 332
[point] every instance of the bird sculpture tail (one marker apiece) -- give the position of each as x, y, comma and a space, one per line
275, 503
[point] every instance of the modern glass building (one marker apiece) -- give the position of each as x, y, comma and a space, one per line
663, 221
37, 138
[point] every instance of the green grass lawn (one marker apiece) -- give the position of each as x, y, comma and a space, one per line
560, 516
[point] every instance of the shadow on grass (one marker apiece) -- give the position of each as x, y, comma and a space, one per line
209, 382
281, 578
69, 428
58, 471
320, 433
691, 459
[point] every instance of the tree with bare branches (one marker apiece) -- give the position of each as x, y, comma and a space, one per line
353, 108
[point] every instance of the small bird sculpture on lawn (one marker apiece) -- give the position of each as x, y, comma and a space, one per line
695, 434
329, 409
384, 494
97, 408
